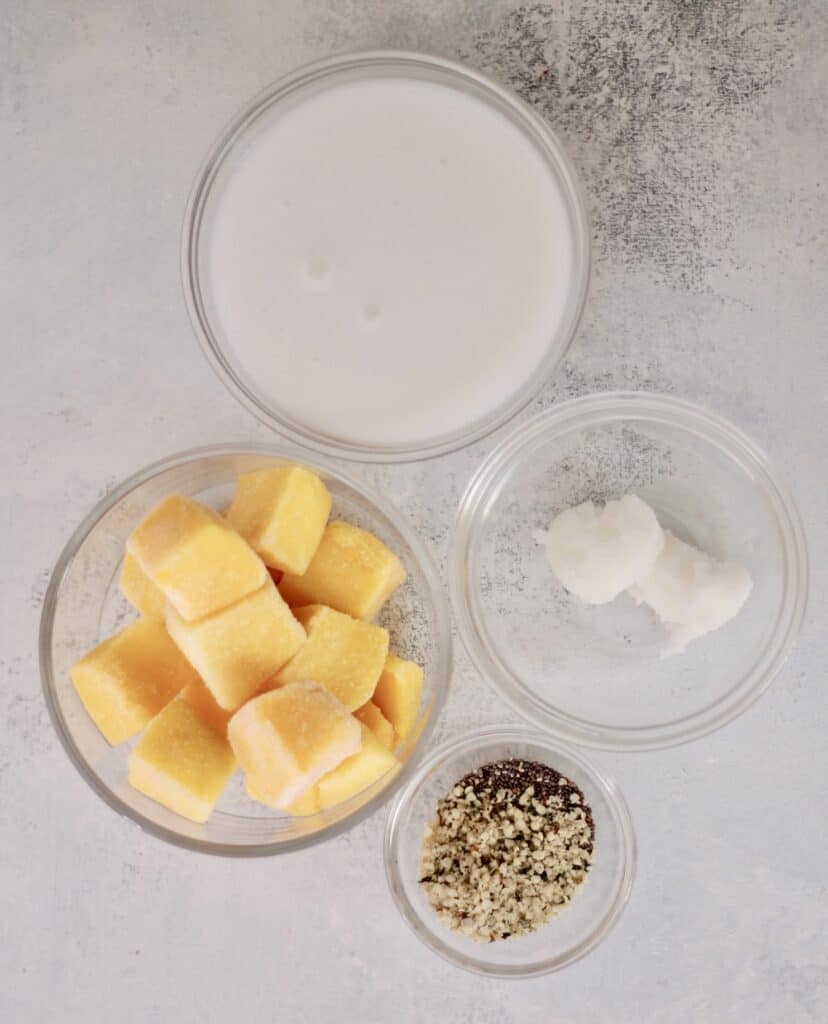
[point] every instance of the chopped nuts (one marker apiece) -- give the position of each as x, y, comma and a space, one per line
509, 846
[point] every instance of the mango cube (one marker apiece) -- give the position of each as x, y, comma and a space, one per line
356, 773
288, 738
345, 655
398, 693
306, 804
352, 571
282, 514
140, 591
126, 680
238, 648
371, 717
190, 553
197, 694
182, 762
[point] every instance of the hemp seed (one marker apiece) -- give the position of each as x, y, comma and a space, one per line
508, 848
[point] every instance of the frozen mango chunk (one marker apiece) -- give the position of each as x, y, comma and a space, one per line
352, 571
126, 680
190, 553
356, 773
306, 804
140, 591
237, 649
180, 761
344, 654
197, 694
288, 738
398, 693
371, 717
282, 514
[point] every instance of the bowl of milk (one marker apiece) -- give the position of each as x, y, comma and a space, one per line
386, 255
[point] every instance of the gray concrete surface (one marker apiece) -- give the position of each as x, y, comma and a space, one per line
700, 131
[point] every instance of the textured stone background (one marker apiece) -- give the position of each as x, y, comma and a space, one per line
700, 130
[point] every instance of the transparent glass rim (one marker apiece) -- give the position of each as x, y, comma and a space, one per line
503, 99
442, 619
575, 414
429, 931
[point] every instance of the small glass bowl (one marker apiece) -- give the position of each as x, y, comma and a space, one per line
596, 675
83, 606
231, 148
594, 908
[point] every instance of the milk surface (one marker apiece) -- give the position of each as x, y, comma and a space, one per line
389, 260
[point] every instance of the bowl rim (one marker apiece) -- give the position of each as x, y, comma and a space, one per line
429, 931
511, 105
442, 618
605, 407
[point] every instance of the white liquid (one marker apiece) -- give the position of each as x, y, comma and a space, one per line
389, 260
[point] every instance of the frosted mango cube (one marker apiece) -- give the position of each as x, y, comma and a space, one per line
356, 773
182, 762
197, 694
238, 648
126, 680
398, 693
140, 591
190, 553
306, 804
371, 717
352, 571
288, 738
345, 655
282, 514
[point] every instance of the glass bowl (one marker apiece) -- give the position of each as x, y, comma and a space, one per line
235, 144
596, 675
594, 908
83, 606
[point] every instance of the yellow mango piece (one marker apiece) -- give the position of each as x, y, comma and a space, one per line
282, 514
182, 762
190, 553
357, 772
205, 705
352, 571
306, 804
371, 717
140, 591
288, 738
343, 654
237, 649
126, 680
398, 693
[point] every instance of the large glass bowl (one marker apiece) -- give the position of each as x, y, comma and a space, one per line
235, 145
597, 675
83, 606
596, 905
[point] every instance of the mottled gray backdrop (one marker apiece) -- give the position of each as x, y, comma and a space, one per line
699, 127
